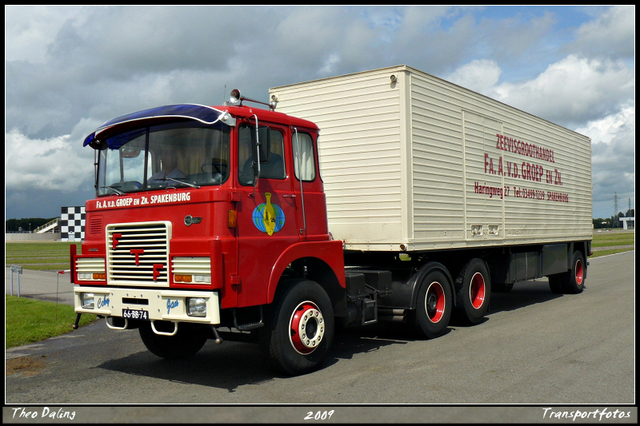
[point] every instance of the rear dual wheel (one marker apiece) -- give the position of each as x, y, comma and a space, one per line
572, 281
473, 291
434, 304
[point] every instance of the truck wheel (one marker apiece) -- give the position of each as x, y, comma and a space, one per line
555, 283
572, 281
185, 343
299, 328
473, 291
434, 304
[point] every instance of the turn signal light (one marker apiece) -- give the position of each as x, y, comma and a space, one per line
232, 219
182, 278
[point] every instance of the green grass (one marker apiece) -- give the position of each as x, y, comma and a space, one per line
612, 239
40, 256
603, 239
30, 320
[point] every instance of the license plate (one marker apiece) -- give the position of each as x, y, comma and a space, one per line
135, 314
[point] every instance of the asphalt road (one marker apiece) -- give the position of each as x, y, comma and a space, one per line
536, 348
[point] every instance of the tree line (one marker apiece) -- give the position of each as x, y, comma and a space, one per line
613, 221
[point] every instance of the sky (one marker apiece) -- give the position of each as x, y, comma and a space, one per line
68, 69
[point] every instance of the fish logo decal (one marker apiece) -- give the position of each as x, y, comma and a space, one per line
268, 217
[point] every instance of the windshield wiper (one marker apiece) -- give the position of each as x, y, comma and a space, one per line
116, 190
182, 182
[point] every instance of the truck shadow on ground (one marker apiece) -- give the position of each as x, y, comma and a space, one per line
226, 366
234, 364
523, 294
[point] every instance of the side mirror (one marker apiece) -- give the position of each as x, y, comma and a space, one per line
261, 147
261, 143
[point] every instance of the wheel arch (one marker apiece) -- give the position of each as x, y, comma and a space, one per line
322, 262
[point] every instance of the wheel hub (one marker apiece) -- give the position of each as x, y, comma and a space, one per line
477, 290
306, 328
579, 272
435, 302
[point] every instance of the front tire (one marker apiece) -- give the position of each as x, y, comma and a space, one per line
185, 343
299, 329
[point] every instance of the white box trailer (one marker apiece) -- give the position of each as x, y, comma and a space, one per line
411, 162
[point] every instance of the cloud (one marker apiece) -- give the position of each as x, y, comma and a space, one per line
611, 35
123, 41
605, 130
45, 164
571, 91
508, 39
32, 28
612, 157
479, 75
69, 69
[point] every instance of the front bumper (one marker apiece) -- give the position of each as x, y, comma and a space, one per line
161, 305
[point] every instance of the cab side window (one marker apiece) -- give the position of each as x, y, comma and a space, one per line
303, 157
271, 154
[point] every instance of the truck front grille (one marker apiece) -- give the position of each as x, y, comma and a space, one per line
138, 254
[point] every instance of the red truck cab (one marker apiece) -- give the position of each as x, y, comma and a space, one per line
208, 218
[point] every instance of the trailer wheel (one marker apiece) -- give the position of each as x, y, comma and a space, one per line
473, 291
434, 304
555, 283
299, 328
572, 281
185, 343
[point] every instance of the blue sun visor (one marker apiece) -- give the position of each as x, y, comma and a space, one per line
124, 128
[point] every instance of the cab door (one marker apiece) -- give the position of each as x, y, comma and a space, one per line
309, 193
266, 210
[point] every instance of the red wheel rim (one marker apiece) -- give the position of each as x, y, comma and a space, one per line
579, 272
477, 290
434, 302
306, 328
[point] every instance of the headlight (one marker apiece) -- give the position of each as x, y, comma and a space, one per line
197, 307
88, 300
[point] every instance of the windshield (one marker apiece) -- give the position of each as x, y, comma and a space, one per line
179, 154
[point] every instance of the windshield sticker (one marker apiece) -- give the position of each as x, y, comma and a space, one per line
175, 197
268, 217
